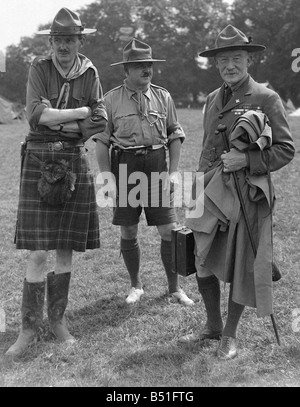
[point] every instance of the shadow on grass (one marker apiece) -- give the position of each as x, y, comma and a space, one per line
111, 312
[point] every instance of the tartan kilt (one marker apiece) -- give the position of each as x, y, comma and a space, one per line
74, 225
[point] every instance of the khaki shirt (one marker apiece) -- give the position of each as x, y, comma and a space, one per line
44, 80
132, 123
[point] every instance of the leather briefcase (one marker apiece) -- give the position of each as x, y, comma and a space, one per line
183, 258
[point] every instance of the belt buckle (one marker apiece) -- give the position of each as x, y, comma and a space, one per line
140, 151
56, 146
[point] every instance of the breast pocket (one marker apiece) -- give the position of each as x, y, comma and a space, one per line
78, 96
158, 120
128, 126
53, 96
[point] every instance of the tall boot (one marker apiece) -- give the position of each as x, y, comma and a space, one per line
57, 300
32, 317
209, 288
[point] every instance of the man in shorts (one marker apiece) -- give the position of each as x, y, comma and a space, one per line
142, 126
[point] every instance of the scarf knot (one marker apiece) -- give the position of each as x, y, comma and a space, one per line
80, 65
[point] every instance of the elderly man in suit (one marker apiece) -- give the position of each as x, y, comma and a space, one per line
230, 257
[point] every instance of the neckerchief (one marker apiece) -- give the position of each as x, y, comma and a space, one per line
81, 64
140, 98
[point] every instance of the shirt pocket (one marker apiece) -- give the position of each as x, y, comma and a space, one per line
128, 126
78, 95
158, 120
53, 96
52, 92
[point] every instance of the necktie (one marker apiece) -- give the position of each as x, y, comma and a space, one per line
227, 95
141, 103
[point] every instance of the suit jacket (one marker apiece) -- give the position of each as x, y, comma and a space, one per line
228, 251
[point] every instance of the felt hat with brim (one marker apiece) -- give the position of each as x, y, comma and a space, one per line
137, 51
67, 22
231, 39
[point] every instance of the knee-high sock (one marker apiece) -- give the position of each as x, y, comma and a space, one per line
235, 311
209, 288
166, 257
131, 254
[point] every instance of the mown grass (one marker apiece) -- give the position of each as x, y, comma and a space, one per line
120, 346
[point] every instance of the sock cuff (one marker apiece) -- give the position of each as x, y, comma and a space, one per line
129, 244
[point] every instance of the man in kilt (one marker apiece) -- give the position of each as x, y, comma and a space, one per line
57, 206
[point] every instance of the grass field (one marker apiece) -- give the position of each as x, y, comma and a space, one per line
120, 346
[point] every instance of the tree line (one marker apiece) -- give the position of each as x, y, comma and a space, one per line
177, 31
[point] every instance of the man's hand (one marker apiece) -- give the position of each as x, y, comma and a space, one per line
55, 127
108, 180
111, 190
234, 160
107, 194
172, 181
84, 111
46, 102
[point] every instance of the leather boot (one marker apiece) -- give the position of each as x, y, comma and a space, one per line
57, 300
32, 317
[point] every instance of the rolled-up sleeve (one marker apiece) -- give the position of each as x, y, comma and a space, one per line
105, 135
174, 129
35, 90
96, 123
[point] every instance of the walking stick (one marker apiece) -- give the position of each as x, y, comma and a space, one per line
222, 129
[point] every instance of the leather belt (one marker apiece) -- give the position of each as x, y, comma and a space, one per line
53, 146
138, 150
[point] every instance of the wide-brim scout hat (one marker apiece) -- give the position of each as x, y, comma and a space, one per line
231, 39
67, 22
137, 51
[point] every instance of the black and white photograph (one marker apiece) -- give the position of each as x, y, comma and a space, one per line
150, 196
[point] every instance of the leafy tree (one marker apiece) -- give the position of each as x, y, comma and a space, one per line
13, 81
105, 46
177, 31
274, 23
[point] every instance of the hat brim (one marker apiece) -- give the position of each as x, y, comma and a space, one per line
49, 32
250, 48
138, 60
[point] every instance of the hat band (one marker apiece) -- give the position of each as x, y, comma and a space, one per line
68, 30
138, 59
229, 43
135, 55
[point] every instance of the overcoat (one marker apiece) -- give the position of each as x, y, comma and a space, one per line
230, 256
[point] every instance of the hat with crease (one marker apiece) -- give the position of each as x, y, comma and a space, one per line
231, 39
67, 22
137, 51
